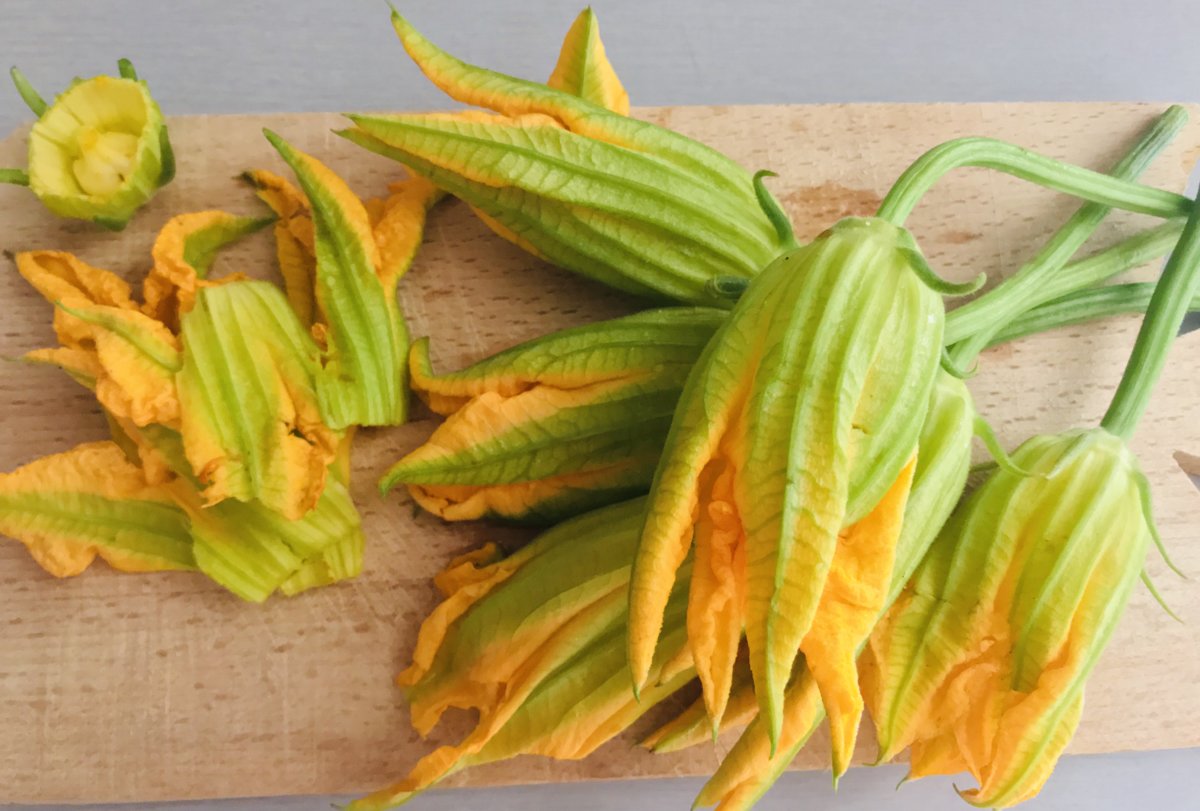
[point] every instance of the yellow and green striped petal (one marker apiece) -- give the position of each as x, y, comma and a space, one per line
183, 253
583, 68
295, 250
250, 421
362, 381
88, 502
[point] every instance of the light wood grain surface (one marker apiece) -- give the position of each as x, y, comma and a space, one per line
123, 688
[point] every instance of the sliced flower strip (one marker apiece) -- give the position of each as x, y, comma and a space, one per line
810, 399
99, 152
183, 253
253, 551
980, 664
566, 422
69, 508
250, 421
583, 68
625, 202
537, 646
136, 361
63, 278
294, 247
363, 379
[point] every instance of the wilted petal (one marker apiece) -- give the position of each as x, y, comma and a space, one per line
69, 507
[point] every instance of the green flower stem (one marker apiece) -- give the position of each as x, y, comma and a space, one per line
17, 177
1004, 157
1083, 306
990, 316
1172, 295
1025, 288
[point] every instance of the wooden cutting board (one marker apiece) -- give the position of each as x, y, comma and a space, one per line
155, 687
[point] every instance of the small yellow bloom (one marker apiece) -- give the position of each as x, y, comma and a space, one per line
99, 152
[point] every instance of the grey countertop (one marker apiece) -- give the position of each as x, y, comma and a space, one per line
224, 56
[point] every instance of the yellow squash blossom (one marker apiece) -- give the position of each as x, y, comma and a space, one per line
535, 643
575, 180
981, 662
753, 764
789, 461
99, 152
557, 425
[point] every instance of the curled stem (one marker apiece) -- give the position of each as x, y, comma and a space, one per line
1044, 171
1026, 288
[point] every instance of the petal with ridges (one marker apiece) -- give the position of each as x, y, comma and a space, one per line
583, 68
183, 253
294, 241
362, 382
851, 601
250, 421
138, 358
69, 507
514, 97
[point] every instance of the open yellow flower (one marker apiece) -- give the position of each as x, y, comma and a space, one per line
99, 152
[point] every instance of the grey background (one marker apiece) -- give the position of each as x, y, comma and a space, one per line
226, 56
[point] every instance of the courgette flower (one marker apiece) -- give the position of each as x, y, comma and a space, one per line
99, 152
219, 460
789, 462
555, 426
535, 642
562, 171
981, 663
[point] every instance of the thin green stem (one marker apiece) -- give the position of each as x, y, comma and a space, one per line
28, 94
1026, 288
1013, 160
17, 177
1174, 292
1083, 306
773, 210
1132, 252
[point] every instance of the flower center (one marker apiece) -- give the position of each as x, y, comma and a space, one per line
105, 160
